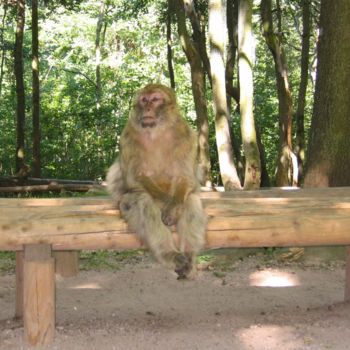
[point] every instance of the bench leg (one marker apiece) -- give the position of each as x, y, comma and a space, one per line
67, 263
347, 275
19, 284
38, 294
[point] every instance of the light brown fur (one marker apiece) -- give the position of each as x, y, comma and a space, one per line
154, 180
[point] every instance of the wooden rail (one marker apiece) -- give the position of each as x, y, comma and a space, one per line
265, 218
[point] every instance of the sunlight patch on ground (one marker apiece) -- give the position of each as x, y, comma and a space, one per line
86, 286
273, 278
270, 337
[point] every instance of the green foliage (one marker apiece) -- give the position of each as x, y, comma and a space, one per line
7, 262
80, 138
109, 260
88, 260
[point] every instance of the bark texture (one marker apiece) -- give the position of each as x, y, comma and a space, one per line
328, 158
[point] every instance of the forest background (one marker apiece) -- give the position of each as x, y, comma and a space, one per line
244, 73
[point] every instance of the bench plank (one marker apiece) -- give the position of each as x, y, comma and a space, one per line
237, 219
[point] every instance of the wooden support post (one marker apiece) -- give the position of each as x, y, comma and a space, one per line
67, 263
38, 294
347, 275
19, 284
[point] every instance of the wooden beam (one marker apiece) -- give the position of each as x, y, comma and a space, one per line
38, 295
19, 284
50, 187
66, 263
264, 218
284, 192
347, 275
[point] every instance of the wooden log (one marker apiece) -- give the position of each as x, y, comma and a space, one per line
313, 217
50, 187
347, 275
19, 284
281, 192
14, 181
38, 295
67, 263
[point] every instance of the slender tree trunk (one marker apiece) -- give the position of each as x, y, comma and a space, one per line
98, 85
265, 178
225, 151
169, 50
304, 68
232, 29
36, 92
328, 156
3, 47
199, 94
198, 36
286, 162
20, 94
252, 176
99, 26
232, 92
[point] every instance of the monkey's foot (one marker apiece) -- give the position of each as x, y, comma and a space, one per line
184, 267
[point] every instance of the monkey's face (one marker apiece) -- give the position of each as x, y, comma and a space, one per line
151, 106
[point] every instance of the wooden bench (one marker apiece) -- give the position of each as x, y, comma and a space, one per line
266, 218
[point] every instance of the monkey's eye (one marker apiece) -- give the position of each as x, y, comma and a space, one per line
144, 99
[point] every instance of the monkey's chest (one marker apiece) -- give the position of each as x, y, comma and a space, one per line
157, 160
160, 169
162, 172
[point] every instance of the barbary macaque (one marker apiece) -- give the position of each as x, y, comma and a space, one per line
154, 180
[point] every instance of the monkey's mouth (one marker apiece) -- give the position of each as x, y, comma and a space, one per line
148, 121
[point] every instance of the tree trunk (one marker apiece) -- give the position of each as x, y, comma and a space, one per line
99, 26
265, 178
328, 156
3, 46
232, 30
169, 50
36, 92
232, 92
286, 165
198, 36
245, 63
224, 145
304, 69
20, 94
199, 94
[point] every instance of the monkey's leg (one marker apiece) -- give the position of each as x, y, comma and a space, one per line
191, 228
144, 217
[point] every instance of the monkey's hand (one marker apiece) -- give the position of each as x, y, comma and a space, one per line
171, 213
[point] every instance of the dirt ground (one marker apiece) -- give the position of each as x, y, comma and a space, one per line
252, 304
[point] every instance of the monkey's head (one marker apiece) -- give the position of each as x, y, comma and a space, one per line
154, 105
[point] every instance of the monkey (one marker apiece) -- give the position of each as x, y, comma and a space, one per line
154, 180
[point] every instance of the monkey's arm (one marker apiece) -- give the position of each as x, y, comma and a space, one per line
183, 187
173, 201
153, 189
175, 205
186, 182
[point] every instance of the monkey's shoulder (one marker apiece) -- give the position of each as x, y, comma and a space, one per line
183, 131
